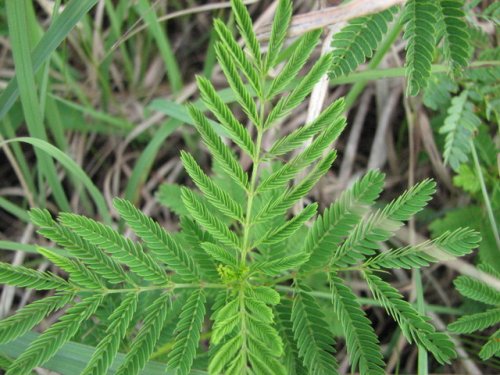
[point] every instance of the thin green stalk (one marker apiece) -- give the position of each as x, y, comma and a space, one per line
251, 194
486, 197
142, 289
372, 302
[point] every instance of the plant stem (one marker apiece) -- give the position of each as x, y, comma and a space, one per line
251, 194
486, 197
150, 288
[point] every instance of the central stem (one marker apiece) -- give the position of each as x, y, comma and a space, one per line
246, 246
251, 194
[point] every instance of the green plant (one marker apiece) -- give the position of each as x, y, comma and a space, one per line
483, 293
238, 251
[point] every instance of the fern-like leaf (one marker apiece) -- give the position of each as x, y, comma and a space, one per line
226, 118
49, 342
447, 246
379, 226
221, 153
107, 348
283, 313
331, 117
362, 342
194, 236
305, 46
458, 128
96, 259
277, 266
414, 326
29, 316
78, 272
238, 55
125, 250
28, 278
477, 290
145, 341
492, 347
305, 86
253, 318
476, 322
214, 194
243, 96
212, 224
456, 36
336, 221
246, 30
157, 239
355, 43
420, 19
280, 205
301, 161
286, 230
219, 254
188, 334
314, 340
278, 32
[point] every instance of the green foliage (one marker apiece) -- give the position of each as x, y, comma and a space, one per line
118, 324
456, 36
420, 19
362, 343
188, 333
357, 41
414, 326
459, 126
239, 251
47, 344
480, 291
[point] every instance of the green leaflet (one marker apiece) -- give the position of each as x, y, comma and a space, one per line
337, 221
29, 316
476, 322
99, 262
380, 225
447, 246
456, 35
79, 273
420, 20
313, 339
477, 290
214, 194
107, 349
414, 326
210, 222
144, 343
356, 42
161, 243
362, 342
492, 347
45, 346
28, 278
125, 250
458, 128
188, 334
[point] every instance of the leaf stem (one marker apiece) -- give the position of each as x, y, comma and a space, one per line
170, 286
